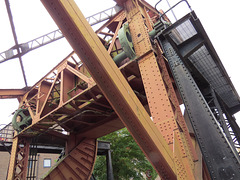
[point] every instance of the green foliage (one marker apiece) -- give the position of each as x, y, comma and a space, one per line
127, 158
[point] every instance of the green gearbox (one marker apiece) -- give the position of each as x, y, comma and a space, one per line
21, 119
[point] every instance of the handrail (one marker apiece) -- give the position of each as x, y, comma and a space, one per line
161, 15
6, 133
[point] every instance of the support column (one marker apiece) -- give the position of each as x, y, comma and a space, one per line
19, 159
219, 157
165, 112
109, 166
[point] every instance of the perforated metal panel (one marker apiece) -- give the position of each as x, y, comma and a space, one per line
183, 32
204, 62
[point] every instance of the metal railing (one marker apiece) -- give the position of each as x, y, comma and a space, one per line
171, 9
6, 133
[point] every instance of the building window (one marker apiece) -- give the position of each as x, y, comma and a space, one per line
30, 163
47, 163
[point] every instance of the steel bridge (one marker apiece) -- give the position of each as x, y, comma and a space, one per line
134, 71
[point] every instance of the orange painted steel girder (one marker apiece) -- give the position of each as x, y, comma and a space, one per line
12, 93
112, 83
162, 110
145, 55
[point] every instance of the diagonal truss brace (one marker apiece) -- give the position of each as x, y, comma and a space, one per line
54, 35
112, 83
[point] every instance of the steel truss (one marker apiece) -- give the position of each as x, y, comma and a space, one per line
19, 159
81, 100
54, 36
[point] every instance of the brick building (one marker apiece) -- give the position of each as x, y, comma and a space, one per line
44, 163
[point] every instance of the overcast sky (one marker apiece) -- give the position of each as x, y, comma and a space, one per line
219, 18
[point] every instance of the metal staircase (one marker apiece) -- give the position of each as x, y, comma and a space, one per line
77, 164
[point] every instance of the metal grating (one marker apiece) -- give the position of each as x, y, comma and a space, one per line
204, 62
205, 58
183, 32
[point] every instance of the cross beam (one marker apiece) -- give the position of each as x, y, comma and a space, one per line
112, 83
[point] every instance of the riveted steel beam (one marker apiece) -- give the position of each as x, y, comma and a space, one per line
160, 92
112, 83
221, 160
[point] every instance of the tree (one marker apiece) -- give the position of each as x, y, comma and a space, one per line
127, 158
